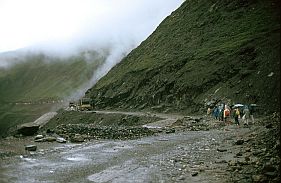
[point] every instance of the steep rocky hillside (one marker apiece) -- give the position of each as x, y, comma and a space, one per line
204, 51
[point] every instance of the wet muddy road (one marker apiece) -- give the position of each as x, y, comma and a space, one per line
177, 157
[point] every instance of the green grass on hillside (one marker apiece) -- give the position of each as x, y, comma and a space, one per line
204, 46
39, 80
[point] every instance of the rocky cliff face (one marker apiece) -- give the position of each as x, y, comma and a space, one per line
205, 51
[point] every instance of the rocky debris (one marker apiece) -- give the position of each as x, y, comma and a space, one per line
259, 157
74, 131
255, 160
192, 124
77, 138
50, 131
170, 130
41, 138
30, 147
28, 129
258, 178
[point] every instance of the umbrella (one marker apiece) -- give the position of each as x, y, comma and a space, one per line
238, 105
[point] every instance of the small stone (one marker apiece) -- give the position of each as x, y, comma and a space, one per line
38, 137
270, 174
268, 168
61, 140
242, 162
239, 142
194, 174
257, 152
270, 74
50, 139
30, 147
239, 154
40, 140
269, 126
181, 177
258, 178
247, 158
232, 163
221, 149
221, 161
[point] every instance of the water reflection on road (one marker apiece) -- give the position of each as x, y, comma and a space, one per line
143, 160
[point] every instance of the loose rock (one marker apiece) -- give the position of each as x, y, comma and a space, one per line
239, 142
61, 140
221, 149
30, 147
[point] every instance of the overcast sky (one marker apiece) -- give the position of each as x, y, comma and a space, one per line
63, 26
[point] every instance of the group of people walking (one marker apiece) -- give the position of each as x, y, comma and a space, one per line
239, 112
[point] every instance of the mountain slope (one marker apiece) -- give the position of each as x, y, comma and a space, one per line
36, 79
38, 83
204, 51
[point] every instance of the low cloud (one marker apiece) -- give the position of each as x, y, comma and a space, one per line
65, 28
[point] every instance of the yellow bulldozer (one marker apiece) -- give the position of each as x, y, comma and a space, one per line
85, 104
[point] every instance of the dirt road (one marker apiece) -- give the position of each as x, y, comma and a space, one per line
166, 119
179, 157
44, 118
184, 156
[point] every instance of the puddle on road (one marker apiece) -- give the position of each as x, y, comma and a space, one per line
77, 157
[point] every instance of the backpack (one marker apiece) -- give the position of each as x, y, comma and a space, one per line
226, 113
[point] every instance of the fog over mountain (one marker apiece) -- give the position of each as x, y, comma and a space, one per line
66, 27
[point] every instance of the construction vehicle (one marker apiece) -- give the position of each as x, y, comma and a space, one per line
85, 104
72, 106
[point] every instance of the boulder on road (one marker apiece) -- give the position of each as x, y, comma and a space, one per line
28, 129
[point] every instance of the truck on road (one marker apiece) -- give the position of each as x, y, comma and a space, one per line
85, 104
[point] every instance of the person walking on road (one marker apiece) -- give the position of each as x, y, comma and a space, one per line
226, 115
251, 110
216, 112
236, 116
246, 115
